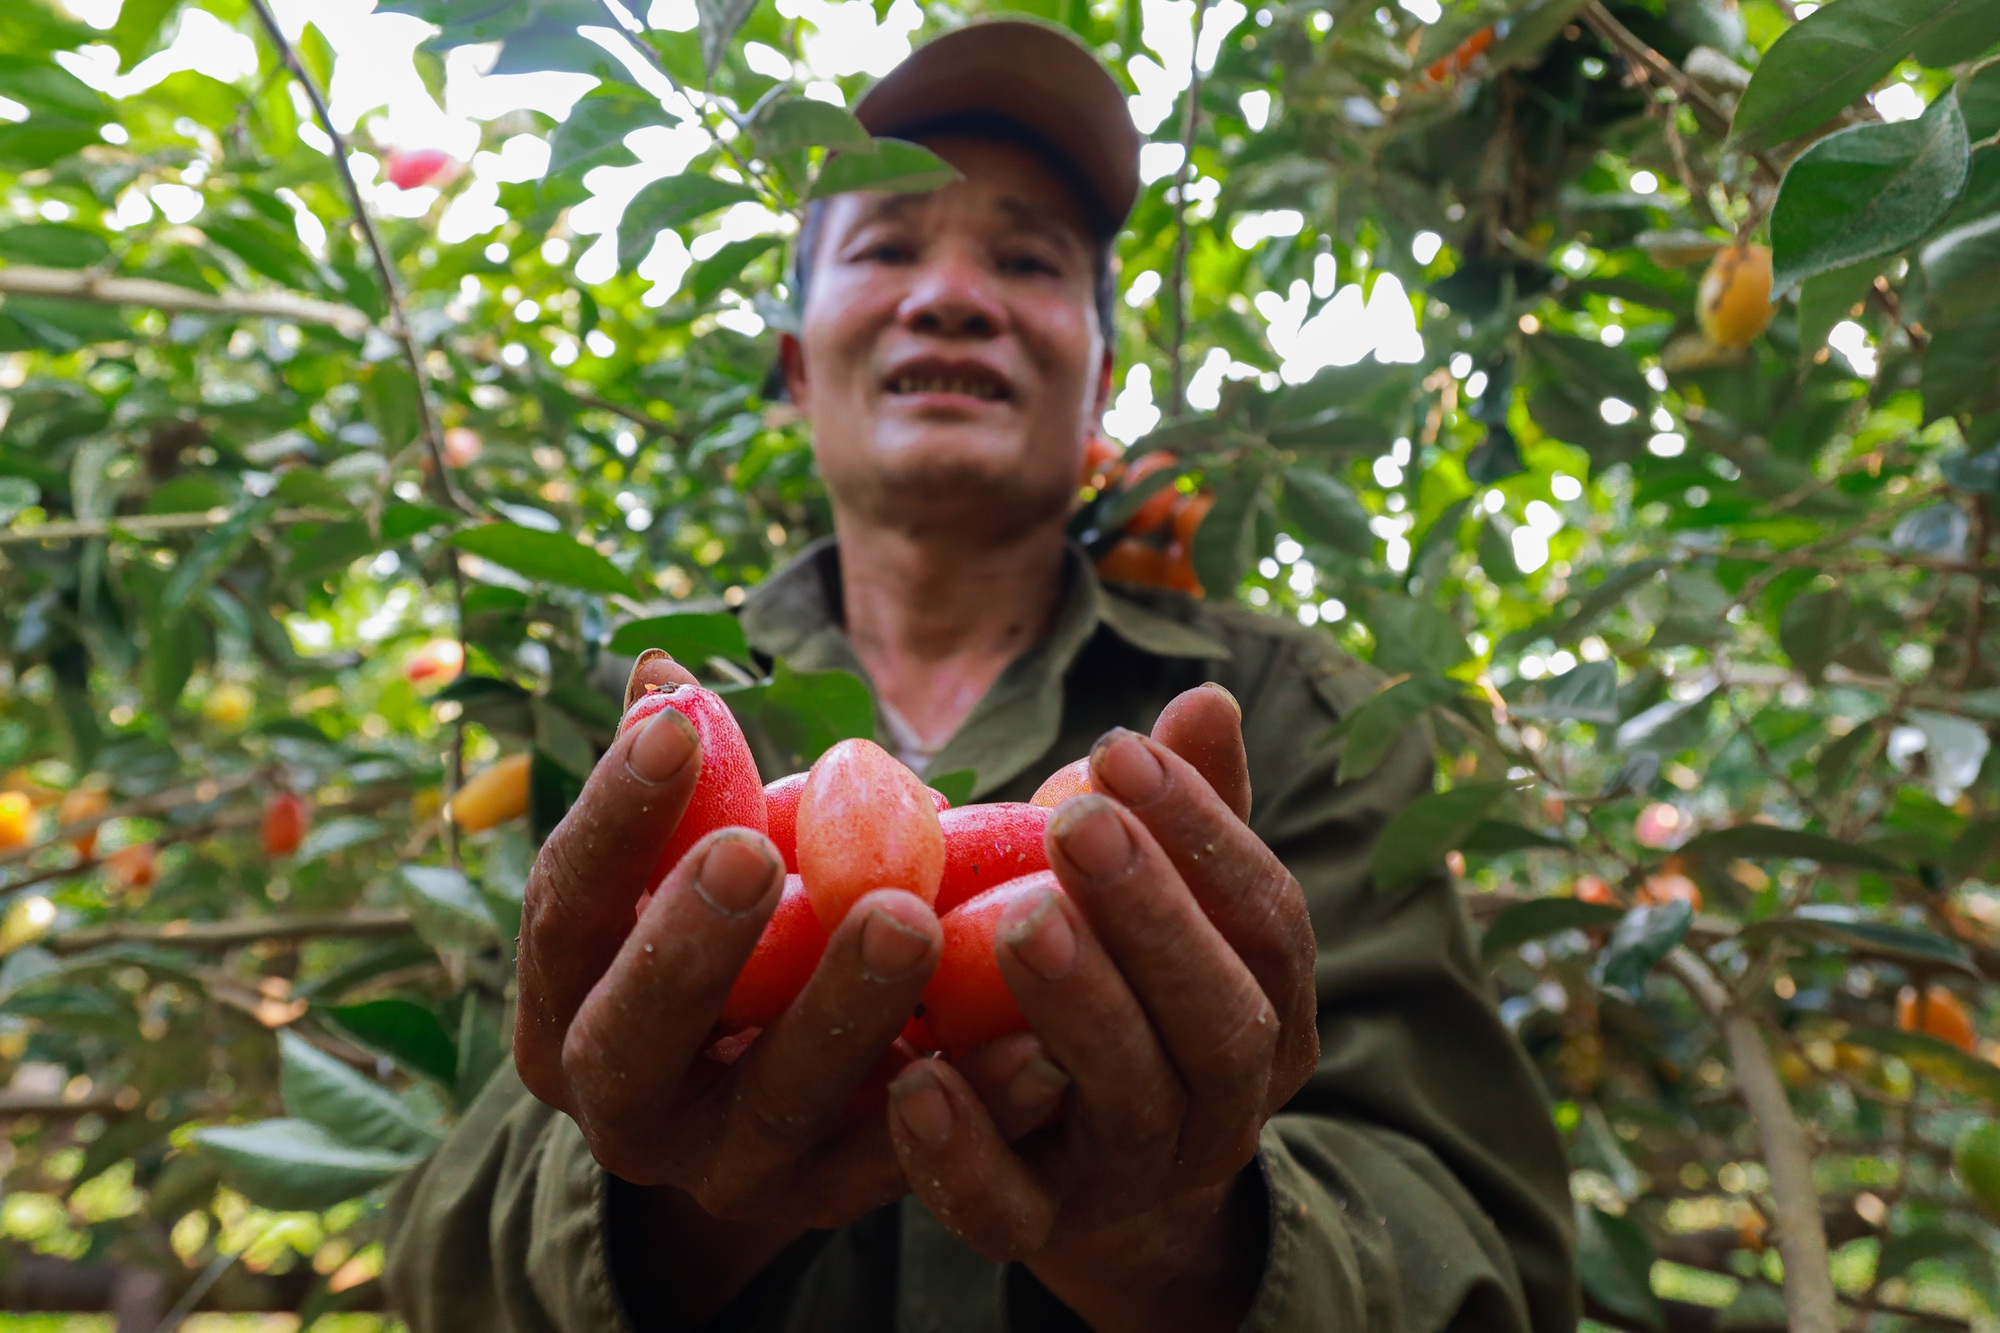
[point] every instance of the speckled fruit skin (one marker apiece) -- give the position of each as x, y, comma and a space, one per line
866, 822
987, 845
729, 793
967, 1003
1067, 781
781, 807
781, 964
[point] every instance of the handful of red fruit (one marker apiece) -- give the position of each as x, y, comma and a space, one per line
860, 821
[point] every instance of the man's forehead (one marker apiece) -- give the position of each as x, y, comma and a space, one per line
1020, 212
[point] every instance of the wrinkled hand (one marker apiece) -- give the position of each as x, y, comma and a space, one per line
1174, 983
614, 1014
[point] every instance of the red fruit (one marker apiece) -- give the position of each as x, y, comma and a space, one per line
728, 794
987, 845
284, 825
967, 1003
866, 822
417, 166
781, 806
1067, 781
918, 1034
939, 799
781, 964
440, 660
1159, 506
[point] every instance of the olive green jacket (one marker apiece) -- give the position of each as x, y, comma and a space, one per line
1415, 1183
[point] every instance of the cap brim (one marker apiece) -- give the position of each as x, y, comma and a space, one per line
1033, 75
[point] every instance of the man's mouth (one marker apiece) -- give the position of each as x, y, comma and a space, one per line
966, 380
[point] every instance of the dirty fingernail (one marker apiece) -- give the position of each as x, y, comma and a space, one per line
1125, 766
736, 875
1093, 836
920, 1103
1044, 940
890, 950
663, 748
1221, 690
633, 687
1037, 1084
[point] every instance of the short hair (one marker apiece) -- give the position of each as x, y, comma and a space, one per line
1000, 130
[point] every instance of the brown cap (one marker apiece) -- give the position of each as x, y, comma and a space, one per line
1035, 76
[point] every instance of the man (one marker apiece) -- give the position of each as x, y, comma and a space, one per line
1258, 1093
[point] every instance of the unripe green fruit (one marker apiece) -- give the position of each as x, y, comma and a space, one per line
1977, 1162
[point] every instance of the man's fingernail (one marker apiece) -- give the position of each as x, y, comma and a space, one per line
890, 950
736, 875
1038, 1084
663, 747
923, 1108
633, 689
1093, 837
1211, 685
1044, 940
1122, 764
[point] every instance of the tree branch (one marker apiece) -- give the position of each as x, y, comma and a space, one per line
364, 923
1809, 1297
102, 289
1177, 287
385, 271
202, 793
150, 525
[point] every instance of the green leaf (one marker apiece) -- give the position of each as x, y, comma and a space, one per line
42, 143
1751, 841
213, 553
686, 636
546, 557
1959, 39
391, 397
804, 713
1867, 191
48, 89
558, 736
1413, 636
294, 1164
400, 521
594, 133
447, 910
53, 245
138, 29
1369, 732
1962, 274
794, 123
498, 705
1497, 837
1642, 939
719, 20
895, 167
1827, 298
1413, 843
1834, 55
1541, 917
1841, 928
1587, 692
16, 494
1939, 1061
1327, 512
672, 201
956, 786
345, 1102
482, 1046
405, 1031
1225, 544
725, 266
1814, 627
1614, 1261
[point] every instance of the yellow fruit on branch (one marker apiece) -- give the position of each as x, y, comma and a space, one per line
228, 704
1735, 301
17, 819
492, 796
1939, 1014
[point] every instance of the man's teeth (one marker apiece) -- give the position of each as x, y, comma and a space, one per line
975, 388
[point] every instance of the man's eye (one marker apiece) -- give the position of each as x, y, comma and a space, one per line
1027, 264
887, 252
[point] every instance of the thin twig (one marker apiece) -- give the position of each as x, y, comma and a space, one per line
178, 798
1810, 1303
149, 525
1177, 288
364, 923
102, 289
385, 270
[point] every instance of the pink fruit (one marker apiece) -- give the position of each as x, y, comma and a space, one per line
728, 794
408, 169
987, 845
866, 822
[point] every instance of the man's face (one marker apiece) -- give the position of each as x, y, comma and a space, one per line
949, 356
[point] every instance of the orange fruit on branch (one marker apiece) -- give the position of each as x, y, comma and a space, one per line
1734, 304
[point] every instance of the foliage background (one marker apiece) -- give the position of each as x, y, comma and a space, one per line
1426, 333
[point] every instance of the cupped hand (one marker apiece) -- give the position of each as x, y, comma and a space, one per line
615, 1014
1173, 982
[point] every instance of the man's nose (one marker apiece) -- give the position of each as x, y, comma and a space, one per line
952, 297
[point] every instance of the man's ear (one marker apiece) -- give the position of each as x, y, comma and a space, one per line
1104, 381
792, 365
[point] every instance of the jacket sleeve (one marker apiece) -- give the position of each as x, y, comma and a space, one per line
1417, 1182
502, 1230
